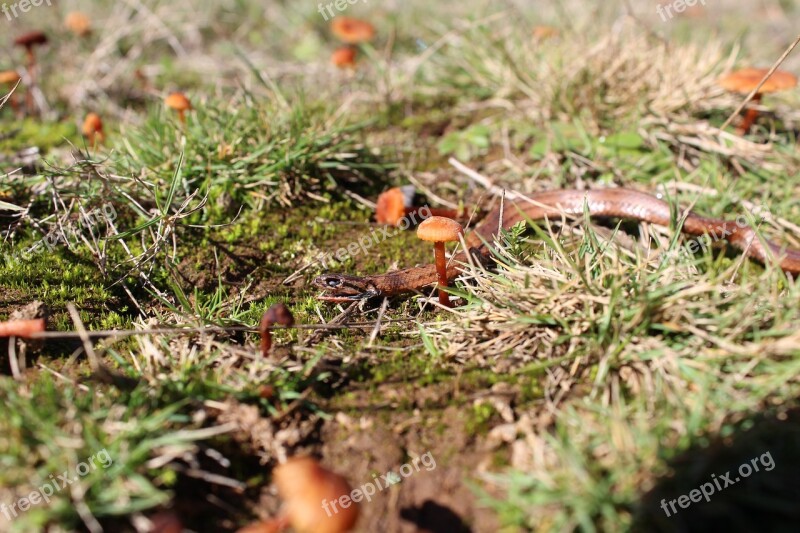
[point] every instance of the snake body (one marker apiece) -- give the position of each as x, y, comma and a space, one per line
618, 203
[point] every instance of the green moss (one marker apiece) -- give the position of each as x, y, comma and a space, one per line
45, 136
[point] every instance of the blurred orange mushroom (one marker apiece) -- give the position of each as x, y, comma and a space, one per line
394, 204
10, 79
306, 487
29, 41
78, 23
344, 57
21, 328
542, 33
315, 499
352, 30
179, 103
745, 80
93, 129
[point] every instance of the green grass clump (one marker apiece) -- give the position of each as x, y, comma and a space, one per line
253, 153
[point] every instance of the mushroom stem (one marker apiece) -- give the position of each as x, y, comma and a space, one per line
30, 107
182, 116
30, 56
441, 270
750, 116
440, 230
266, 335
31, 67
277, 314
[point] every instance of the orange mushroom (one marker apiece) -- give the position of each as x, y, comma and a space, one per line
391, 206
93, 129
179, 103
542, 33
745, 80
344, 57
21, 328
78, 23
352, 30
306, 487
10, 78
396, 203
440, 230
316, 500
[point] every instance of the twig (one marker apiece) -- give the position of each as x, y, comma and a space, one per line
336, 323
208, 477
12, 359
481, 179
206, 329
376, 331
360, 199
430, 194
87, 345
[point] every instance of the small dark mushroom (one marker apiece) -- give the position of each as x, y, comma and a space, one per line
29, 41
277, 314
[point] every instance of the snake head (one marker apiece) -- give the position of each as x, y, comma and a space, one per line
339, 288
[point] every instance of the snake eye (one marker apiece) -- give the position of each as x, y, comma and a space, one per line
333, 282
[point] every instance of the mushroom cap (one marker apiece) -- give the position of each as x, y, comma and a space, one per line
78, 23
747, 79
541, 33
304, 485
30, 39
352, 30
279, 314
178, 102
9, 77
391, 206
439, 229
344, 57
92, 124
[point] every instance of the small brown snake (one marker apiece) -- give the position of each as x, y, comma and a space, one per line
618, 203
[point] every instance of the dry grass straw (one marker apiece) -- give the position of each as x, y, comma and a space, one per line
581, 306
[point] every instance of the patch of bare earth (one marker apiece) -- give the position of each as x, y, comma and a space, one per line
381, 439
